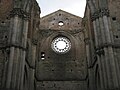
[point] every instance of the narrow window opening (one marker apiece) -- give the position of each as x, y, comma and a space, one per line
59, 14
7, 18
6, 37
60, 23
43, 85
116, 36
113, 18
48, 57
3, 22
66, 18
42, 55
54, 85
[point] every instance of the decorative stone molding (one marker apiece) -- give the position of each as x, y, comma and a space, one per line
86, 40
116, 46
34, 41
7, 50
13, 45
19, 12
17, 46
108, 45
46, 33
100, 51
100, 13
74, 31
94, 62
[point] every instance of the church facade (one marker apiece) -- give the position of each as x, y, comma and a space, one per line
59, 51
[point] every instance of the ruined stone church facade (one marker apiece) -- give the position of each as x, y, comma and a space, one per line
32, 59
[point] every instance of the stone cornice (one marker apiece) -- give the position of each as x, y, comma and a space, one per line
49, 32
13, 45
100, 49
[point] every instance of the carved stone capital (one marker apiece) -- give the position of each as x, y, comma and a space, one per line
100, 13
34, 41
95, 15
104, 12
19, 12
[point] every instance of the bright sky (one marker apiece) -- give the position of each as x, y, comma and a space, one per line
76, 7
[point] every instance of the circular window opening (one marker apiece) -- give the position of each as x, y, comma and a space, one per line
60, 23
61, 45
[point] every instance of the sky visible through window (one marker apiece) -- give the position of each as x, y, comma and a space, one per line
76, 7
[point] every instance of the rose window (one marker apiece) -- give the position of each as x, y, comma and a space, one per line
61, 45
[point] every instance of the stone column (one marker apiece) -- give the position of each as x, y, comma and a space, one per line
98, 42
109, 67
17, 41
13, 29
112, 70
24, 43
10, 64
16, 52
32, 68
116, 62
109, 61
103, 39
108, 46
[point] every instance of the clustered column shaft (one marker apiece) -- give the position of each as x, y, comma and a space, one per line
17, 44
104, 49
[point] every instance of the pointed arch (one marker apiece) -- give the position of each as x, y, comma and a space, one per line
97, 77
91, 6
